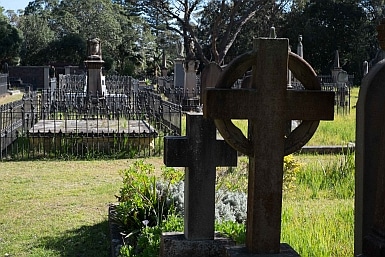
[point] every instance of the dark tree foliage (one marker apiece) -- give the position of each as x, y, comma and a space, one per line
69, 49
10, 42
327, 26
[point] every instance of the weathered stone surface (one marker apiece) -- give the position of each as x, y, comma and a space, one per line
370, 165
174, 244
92, 126
240, 251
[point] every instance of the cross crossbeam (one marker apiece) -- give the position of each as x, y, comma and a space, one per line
241, 104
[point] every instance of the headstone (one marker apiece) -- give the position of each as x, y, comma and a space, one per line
370, 156
190, 81
365, 66
179, 73
210, 76
300, 46
336, 66
164, 65
200, 152
268, 105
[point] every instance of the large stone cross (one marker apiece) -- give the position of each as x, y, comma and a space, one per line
200, 152
267, 106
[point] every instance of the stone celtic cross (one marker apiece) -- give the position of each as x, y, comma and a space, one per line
267, 105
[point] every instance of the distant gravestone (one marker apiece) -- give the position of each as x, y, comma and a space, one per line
190, 79
267, 106
210, 76
370, 161
200, 152
179, 73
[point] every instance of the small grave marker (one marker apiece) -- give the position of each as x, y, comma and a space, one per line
200, 152
267, 105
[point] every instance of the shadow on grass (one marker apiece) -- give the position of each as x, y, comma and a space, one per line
85, 241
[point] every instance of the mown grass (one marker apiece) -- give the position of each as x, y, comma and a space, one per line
57, 208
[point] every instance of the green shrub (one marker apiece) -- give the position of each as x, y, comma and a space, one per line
291, 167
235, 179
144, 199
148, 239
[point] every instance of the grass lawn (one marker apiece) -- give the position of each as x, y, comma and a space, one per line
57, 208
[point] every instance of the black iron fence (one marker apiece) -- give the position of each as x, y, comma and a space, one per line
67, 122
342, 91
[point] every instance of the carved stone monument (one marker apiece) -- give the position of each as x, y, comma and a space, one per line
190, 79
200, 152
370, 161
94, 64
267, 106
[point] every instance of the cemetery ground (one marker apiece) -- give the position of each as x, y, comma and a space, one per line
59, 208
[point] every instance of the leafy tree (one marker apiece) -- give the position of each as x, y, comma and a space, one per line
69, 22
202, 24
10, 40
90, 19
374, 8
37, 35
69, 49
327, 26
257, 26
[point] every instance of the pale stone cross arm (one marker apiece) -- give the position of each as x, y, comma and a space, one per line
267, 106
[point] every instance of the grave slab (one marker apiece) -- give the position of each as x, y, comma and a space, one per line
239, 251
174, 244
92, 126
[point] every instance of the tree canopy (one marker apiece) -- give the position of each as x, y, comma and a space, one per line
10, 40
135, 33
327, 26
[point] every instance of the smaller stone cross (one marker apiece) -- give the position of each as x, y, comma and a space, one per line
200, 152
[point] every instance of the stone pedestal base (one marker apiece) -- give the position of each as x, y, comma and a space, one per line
241, 251
174, 244
373, 246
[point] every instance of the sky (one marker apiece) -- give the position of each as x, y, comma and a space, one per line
14, 4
